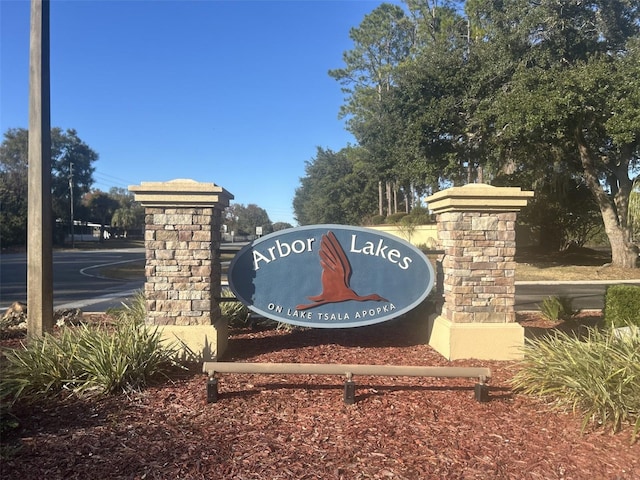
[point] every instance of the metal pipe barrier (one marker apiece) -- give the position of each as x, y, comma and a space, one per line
483, 374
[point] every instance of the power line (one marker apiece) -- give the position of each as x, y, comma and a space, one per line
110, 180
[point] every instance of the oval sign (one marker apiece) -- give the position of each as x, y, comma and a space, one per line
330, 276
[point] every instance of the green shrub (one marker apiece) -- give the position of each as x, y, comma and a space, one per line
134, 310
236, 312
598, 375
88, 359
622, 305
557, 308
418, 216
124, 360
46, 365
377, 219
395, 217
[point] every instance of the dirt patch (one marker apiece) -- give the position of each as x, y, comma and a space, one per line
528, 272
574, 264
298, 427
536, 325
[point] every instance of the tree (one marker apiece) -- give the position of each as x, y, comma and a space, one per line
506, 87
129, 214
563, 212
13, 212
439, 89
101, 207
244, 219
381, 42
337, 188
413, 84
575, 92
281, 226
123, 196
125, 218
634, 210
13, 190
71, 162
66, 149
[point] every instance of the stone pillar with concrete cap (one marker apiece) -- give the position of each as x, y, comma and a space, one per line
476, 229
183, 274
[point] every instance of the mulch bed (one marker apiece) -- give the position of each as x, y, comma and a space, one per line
298, 427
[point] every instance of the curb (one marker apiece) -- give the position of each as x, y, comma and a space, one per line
578, 282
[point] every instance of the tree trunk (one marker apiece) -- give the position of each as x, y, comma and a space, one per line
380, 198
395, 197
623, 252
389, 198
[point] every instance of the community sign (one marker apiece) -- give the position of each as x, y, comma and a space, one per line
330, 276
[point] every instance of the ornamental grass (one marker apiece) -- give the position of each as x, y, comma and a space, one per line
558, 308
597, 374
88, 359
236, 313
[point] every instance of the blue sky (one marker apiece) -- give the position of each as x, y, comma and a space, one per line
233, 92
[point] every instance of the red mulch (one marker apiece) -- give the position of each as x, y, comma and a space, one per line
298, 427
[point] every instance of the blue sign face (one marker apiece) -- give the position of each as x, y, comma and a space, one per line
330, 276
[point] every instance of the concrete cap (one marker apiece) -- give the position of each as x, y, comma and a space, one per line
479, 197
181, 192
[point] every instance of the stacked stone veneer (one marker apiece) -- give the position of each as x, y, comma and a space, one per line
182, 242
476, 229
182, 265
478, 266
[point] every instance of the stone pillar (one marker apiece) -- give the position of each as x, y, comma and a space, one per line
476, 229
183, 274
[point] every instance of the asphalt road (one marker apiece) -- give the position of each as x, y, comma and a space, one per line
586, 295
77, 284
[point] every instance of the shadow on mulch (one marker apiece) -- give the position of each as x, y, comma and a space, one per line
401, 332
79, 413
579, 326
575, 256
363, 390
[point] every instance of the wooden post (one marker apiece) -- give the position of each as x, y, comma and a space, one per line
39, 224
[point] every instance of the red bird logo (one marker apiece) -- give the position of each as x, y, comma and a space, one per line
336, 275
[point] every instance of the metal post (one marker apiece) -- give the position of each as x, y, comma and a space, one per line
481, 392
73, 242
349, 392
212, 390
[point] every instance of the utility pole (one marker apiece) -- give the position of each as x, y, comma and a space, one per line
39, 223
73, 240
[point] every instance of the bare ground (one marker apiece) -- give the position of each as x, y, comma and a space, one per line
575, 264
298, 427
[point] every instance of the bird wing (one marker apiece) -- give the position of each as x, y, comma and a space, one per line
336, 269
336, 276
